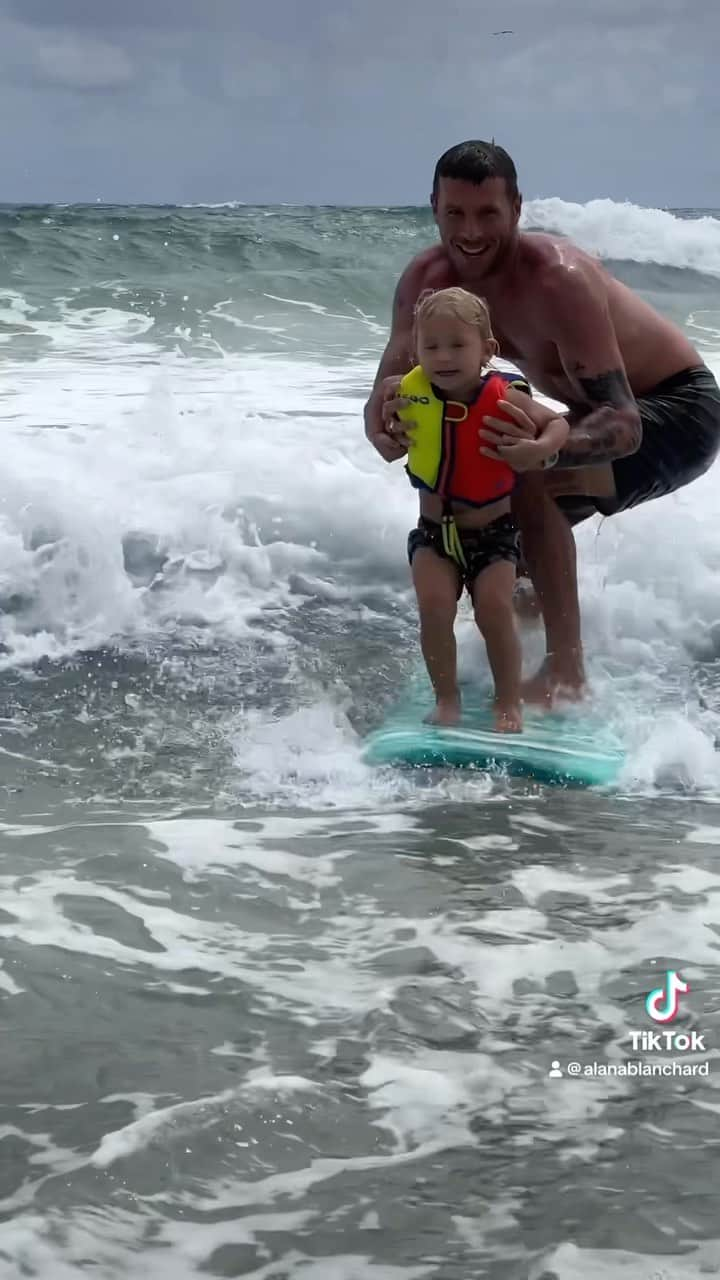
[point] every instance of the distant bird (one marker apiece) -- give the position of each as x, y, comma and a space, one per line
502, 33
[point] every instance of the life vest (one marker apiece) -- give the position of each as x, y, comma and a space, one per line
444, 455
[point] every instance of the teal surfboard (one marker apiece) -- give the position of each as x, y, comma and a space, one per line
571, 748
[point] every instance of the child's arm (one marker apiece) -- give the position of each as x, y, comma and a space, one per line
551, 440
526, 443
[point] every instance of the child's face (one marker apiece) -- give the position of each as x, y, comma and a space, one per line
453, 353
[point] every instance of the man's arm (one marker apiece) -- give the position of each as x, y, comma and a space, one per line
395, 361
581, 326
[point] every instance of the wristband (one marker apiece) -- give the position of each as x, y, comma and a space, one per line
550, 462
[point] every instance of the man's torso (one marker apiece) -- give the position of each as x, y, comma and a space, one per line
652, 348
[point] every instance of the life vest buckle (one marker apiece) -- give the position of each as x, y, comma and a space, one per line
455, 411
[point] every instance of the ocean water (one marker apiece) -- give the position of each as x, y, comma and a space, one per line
267, 1012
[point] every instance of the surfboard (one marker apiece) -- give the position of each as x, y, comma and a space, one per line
573, 747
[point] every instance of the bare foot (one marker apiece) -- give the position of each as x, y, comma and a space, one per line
508, 718
554, 684
445, 712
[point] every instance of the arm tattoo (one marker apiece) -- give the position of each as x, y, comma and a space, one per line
611, 429
611, 388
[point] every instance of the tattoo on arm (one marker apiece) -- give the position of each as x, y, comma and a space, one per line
611, 429
611, 388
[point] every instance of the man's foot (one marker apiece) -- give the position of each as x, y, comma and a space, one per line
555, 683
508, 718
446, 712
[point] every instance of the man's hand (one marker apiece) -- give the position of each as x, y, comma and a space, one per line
385, 431
388, 448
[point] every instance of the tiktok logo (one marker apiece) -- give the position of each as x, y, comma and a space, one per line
662, 1004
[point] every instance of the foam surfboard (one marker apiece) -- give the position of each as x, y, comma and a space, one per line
571, 747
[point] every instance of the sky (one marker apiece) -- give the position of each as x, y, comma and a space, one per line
335, 102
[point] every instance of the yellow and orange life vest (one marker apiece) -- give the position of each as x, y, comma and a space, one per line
444, 455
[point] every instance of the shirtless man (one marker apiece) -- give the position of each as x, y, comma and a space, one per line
644, 410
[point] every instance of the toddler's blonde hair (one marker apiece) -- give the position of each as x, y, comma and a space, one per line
456, 302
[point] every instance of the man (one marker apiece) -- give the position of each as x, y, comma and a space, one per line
644, 410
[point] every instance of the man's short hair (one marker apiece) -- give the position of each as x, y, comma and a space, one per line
475, 161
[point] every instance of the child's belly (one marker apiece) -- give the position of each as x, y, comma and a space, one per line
431, 506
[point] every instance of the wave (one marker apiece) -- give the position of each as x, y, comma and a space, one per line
630, 233
324, 253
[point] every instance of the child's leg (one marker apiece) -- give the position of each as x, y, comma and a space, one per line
436, 586
492, 595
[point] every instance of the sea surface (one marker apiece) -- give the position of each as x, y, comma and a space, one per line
267, 1012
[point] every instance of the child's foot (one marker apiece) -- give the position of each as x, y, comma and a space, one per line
508, 718
445, 712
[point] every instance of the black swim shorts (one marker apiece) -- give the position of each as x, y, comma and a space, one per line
680, 441
481, 547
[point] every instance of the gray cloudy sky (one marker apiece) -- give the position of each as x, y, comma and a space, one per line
331, 101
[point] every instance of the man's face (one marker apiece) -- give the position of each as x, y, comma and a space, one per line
477, 224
